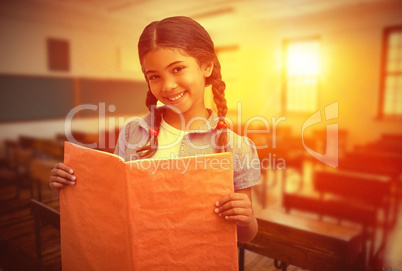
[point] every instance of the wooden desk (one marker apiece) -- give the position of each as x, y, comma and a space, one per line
43, 215
379, 163
351, 196
304, 242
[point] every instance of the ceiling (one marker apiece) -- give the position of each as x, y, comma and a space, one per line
150, 10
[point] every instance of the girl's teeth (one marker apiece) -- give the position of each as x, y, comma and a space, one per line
177, 97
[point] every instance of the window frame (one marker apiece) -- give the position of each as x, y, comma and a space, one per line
383, 74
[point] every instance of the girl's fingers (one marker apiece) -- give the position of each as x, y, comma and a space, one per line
234, 204
238, 208
229, 198
56, 186
60, 180
64, 167
60, 176
235, 212
240, 220
235, 207
242, 203
62, 173
57, 183
242, 216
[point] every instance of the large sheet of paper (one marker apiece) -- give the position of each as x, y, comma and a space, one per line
146, 214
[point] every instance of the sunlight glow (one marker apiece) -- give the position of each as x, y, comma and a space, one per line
303, 58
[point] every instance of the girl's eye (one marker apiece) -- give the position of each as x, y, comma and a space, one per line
153, 77
178, 69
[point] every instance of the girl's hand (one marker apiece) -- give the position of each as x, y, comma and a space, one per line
61, 176
236, 207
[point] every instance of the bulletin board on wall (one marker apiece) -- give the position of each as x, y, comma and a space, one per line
117, 97
24, 98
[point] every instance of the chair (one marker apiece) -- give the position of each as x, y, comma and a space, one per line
8, 168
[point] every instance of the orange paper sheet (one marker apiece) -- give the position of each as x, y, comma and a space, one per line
142, 215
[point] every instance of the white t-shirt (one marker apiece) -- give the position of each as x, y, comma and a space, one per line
169, 140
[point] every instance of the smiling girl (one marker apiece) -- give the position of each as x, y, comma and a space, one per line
178, 60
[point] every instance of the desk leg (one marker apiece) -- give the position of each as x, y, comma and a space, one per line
38, 239
32, 188
241, 259
283, 266
39, 186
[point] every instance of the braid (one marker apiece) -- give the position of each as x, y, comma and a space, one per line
150, 100
218, 90
149, 149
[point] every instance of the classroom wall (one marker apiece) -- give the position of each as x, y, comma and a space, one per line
100, 45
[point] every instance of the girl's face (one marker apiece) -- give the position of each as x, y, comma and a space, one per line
176, 79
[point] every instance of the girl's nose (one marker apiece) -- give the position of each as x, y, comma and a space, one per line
169, 84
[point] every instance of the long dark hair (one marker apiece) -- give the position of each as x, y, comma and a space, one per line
189, 36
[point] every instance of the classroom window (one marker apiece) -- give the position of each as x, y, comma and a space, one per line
301, 75
391, 75
58, 55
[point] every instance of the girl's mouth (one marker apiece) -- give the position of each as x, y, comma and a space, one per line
177, 98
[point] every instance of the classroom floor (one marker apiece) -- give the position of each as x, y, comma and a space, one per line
17, 235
